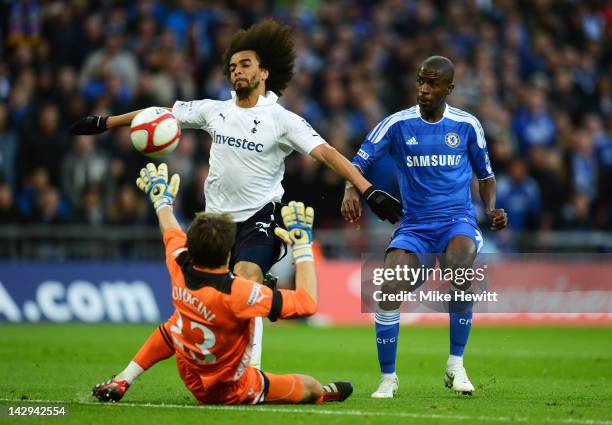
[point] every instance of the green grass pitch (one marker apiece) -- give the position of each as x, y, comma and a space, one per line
522, 375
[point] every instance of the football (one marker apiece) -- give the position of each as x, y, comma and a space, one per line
155, 132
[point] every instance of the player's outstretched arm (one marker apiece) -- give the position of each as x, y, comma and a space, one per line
352, 207
154, 182
96, 124
488, 190
333, 159
298, 235
385, 206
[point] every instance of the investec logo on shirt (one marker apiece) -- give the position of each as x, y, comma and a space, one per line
233, 142
432, 160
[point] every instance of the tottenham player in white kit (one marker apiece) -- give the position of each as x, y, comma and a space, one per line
252, 134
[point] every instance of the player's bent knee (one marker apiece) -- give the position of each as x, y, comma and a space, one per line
248, 271
460, 252
455, 260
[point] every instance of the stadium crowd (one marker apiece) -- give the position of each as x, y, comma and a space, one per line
537, 73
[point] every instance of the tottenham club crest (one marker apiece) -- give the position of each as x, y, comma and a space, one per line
452, 140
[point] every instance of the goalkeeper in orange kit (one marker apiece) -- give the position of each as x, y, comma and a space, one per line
212, 327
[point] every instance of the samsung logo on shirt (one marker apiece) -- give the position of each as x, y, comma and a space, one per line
233, 142
432, 160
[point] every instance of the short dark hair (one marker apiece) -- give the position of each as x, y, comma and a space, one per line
443, 65
210, 239
273, 44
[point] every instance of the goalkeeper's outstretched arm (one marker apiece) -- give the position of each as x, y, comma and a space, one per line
298, 235
306, 279
167, 220
153, 181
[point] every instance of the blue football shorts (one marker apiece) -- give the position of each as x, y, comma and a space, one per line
433, 237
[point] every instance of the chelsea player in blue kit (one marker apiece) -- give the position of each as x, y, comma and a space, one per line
435, 148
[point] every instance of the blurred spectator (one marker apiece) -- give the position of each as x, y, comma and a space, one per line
8, 149
25, 23
8, 210
50, 209
91, 210
604, 94
33, 185
519, 195
173, 82
301, 182
179, 20
45, 144
110, 61
582, 165
85, 166
564, 95
5, 83
576, 213
603, 149
192, 192
125, 160
67, 96
130, 207
182, 159
532, 123
544, 168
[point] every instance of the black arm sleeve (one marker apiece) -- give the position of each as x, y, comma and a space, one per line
277, 306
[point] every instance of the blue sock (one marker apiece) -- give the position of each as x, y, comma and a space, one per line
387, 331
460, 315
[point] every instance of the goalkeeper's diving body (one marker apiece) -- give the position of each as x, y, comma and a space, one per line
215, 310
435, 148
252, 134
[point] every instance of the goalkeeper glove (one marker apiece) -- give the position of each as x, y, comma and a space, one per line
91, 124
154, 182
385, 206
298, 221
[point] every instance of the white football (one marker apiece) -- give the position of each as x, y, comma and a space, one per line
155, 132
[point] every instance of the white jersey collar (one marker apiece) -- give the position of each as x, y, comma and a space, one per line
269, 99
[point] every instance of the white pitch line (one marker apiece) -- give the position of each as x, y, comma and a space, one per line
322, 411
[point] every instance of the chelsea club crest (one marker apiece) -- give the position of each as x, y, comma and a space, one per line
452, 140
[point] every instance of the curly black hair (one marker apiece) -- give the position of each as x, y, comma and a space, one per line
273, 44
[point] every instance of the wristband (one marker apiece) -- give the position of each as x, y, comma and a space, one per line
302, 252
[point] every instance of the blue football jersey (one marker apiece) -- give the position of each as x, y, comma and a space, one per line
434, 161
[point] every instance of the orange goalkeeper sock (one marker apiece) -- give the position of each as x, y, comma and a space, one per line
157, 348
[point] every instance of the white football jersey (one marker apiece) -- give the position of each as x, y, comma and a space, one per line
247, 157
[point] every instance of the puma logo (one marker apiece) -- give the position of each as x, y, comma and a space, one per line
263, 227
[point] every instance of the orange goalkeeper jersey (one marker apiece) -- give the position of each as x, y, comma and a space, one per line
212, 326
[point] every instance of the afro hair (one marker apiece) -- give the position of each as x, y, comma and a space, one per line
273, 44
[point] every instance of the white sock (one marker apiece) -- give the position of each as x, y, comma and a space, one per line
454, 361
389, 375
130, 373
257, 343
